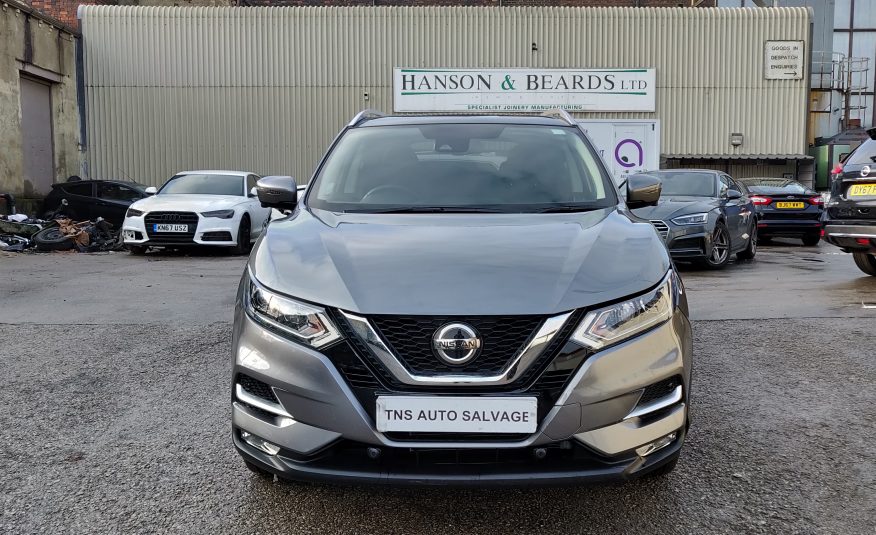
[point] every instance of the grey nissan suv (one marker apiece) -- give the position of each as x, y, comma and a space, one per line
460, 300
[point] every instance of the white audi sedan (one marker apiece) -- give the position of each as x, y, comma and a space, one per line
216, 208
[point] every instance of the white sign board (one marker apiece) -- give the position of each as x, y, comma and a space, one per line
783, 60
626, 146
455, 414
523, 90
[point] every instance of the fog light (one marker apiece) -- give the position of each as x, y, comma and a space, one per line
259, 443
658, 444
129, 235
863, 241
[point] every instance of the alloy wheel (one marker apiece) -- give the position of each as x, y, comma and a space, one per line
720, 246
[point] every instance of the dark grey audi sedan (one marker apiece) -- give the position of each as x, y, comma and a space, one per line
704, 216
460, 300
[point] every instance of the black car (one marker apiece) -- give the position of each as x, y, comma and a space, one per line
90, 199
786, 209
850, 218
704, 216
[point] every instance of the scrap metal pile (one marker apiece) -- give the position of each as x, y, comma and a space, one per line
57, 232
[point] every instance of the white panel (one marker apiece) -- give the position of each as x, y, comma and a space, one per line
841, 13
865, 14
864, 46
841, 43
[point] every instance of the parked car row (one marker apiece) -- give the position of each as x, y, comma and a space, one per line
704, 216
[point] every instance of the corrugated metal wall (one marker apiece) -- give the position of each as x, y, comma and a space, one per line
265, 89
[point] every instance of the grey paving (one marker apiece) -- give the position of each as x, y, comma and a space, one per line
116, 376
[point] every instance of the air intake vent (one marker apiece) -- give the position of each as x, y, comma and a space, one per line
659, 390
257, 388
662, 228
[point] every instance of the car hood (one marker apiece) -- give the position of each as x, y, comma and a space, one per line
187, 202
459, 264
669, 207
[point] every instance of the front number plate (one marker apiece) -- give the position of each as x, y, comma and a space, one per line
789, 205
862, 190
451, 414
166, 227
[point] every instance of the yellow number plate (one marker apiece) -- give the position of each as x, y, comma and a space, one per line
862, 190
789, 205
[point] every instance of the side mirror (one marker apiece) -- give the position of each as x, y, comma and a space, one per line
278, 192
254, 192
151, 190
643, 190
734, 194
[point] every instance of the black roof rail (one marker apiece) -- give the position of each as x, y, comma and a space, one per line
561, 114
365, 115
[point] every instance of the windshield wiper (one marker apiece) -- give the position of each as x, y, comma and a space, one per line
432, 210
557, 208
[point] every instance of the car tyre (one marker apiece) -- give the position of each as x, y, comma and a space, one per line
811, 240
52, 239
719, 254
751, 249
243, 236
137, 250
866, 262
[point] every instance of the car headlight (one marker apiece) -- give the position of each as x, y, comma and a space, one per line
221, 214
606, 326
306, 323
133, 212
692, 219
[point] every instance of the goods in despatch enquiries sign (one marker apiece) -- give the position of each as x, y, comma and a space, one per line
783, 60
523, 90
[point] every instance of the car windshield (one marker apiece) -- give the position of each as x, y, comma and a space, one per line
462, 168
774, 186
687, 183
204, 184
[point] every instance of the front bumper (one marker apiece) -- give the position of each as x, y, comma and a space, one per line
687, 242
590, 433
209, 231
859, 236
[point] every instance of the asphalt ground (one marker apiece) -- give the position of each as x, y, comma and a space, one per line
116, 412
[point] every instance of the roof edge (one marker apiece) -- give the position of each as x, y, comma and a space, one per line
51, 21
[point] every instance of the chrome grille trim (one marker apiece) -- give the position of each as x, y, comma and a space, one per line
656, 405
255, 401
512, 371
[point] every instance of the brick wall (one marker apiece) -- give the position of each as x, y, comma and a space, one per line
65, 10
